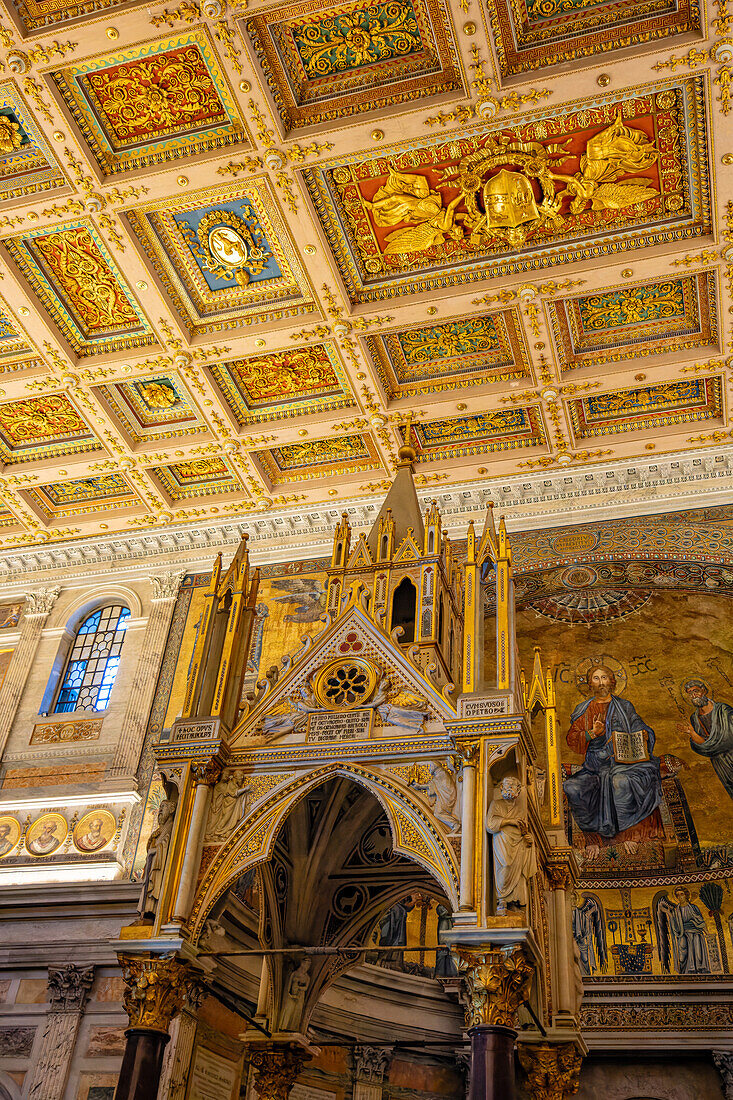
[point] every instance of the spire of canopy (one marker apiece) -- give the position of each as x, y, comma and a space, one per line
401, 501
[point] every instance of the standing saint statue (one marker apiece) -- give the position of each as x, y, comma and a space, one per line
157, 850
228, 805
515, 860
292, 1010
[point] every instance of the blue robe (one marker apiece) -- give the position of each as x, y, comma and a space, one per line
606, 797
717, 728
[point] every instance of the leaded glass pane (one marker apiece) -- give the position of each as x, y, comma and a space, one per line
93, 661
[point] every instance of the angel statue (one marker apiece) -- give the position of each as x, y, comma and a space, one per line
442, 790
589, 932
228, 805
680, 925
407, 197
616, 151
157, 850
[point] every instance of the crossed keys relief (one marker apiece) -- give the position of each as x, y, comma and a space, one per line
503, 205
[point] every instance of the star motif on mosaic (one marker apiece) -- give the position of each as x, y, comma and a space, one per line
71, 271
149, 409
324, 64
467, 351
42, 427
647, 407
638, 319
604, 175
284, 383
224, 256
315, 458
152, 103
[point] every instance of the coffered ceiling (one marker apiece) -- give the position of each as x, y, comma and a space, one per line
248, 249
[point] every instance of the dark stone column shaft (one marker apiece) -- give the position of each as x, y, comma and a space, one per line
141, 1064
492, 1063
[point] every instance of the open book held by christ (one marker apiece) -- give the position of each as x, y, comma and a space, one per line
629, 747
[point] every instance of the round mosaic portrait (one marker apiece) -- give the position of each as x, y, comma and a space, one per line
46, 834
9, 835
94, 831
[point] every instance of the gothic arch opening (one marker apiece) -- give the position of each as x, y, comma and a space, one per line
326, 920
404, 607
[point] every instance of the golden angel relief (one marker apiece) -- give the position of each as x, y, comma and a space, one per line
511, 204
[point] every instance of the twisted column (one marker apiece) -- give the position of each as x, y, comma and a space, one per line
38, 606
142, 686
68, 989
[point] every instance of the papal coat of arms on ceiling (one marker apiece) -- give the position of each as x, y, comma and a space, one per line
503, 204
231, 247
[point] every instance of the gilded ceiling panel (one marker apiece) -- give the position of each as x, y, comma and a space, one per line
73, 275
63, 499
316, 458
150, 409
152, 103
636, 320
43, 427
533, 34
35, 14
16, 352
284, 383
598, 177
27, 165
481, 433
464, 351
224, 257
657, 406
325, 63
197, 478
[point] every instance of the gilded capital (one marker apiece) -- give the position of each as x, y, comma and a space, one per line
559, 876
552, 1069
275, 1067
206, 772
155, 989
496, 983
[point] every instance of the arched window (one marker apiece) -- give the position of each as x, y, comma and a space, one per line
92, 666
404, 602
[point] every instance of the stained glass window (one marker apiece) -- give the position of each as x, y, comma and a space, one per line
92, 665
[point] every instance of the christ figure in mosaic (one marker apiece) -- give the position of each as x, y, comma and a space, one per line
615, 796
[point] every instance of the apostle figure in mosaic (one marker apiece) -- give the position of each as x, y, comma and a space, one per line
615, 796
680, 926
515, 860
711, 730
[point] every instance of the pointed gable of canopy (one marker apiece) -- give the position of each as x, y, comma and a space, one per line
401, 505
393, 687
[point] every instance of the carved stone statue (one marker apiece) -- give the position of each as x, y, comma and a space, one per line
515, 861
157, 850
228, 805
442, 790
294, 1003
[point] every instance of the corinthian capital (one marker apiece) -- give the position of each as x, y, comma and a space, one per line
166, 585
496, 982
275, 1067
553, 1069
370, 1063
41, 601
155, 988
68, 987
